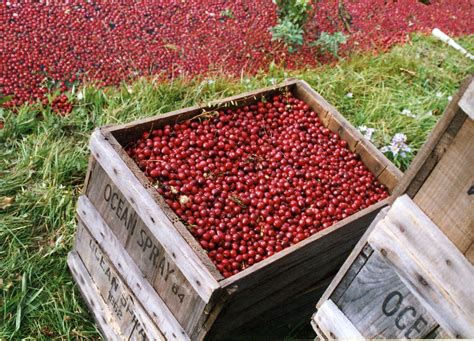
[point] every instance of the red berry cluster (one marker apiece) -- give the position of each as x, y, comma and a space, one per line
252, 181
48, 45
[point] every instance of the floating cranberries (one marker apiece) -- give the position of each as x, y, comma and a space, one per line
253, 181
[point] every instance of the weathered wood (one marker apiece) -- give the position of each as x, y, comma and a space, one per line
343, 278
381, 306
445, 197
147, 209
101, 313
334, 324
425, 276
466, 103
126, 312
470, 254
111, 248
156, 265
427, 262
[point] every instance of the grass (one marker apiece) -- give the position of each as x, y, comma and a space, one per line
43, 159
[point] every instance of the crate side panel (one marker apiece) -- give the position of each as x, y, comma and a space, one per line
118, 298
381, 306
100, 311
447, 196
157, 266
140, 197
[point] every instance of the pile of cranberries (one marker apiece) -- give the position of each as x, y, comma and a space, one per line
56, 45
252, 181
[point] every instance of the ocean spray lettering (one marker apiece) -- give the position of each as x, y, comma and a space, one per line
393, 304
121, 208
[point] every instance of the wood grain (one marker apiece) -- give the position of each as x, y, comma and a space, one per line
156, 265
110, 248
380, 306
428, 264
340, 279
101, 313
432, 251
152, 215
333, 323
445, 197
466, 103
127, 313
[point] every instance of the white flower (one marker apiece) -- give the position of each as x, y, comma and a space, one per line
366, 132
273, 81
450, 98
211, 81
397, 146
439, 94
408, 113
429, 113
80, 96
349, 95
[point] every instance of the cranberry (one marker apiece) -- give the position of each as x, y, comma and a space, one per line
245, 200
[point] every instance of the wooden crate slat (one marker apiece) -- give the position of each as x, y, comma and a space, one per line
145, 206
445, 197
146, 295
422, 239
145, 249
421, 281
466, 103
380, 306
357, 251
126, 312
102, 316
106, 280
335, 324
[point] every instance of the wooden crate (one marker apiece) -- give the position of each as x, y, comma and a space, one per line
410, 275
172, 273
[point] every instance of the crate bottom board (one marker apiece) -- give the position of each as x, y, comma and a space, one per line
100, 311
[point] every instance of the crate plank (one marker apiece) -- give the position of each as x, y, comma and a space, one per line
381, 306
360, 250
105, 279
466, 103
185, 259
130, 273
445, 197
413, 261
101, 313
428, 245
157, 266
334, 324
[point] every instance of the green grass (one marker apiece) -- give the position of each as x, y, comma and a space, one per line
43, 159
